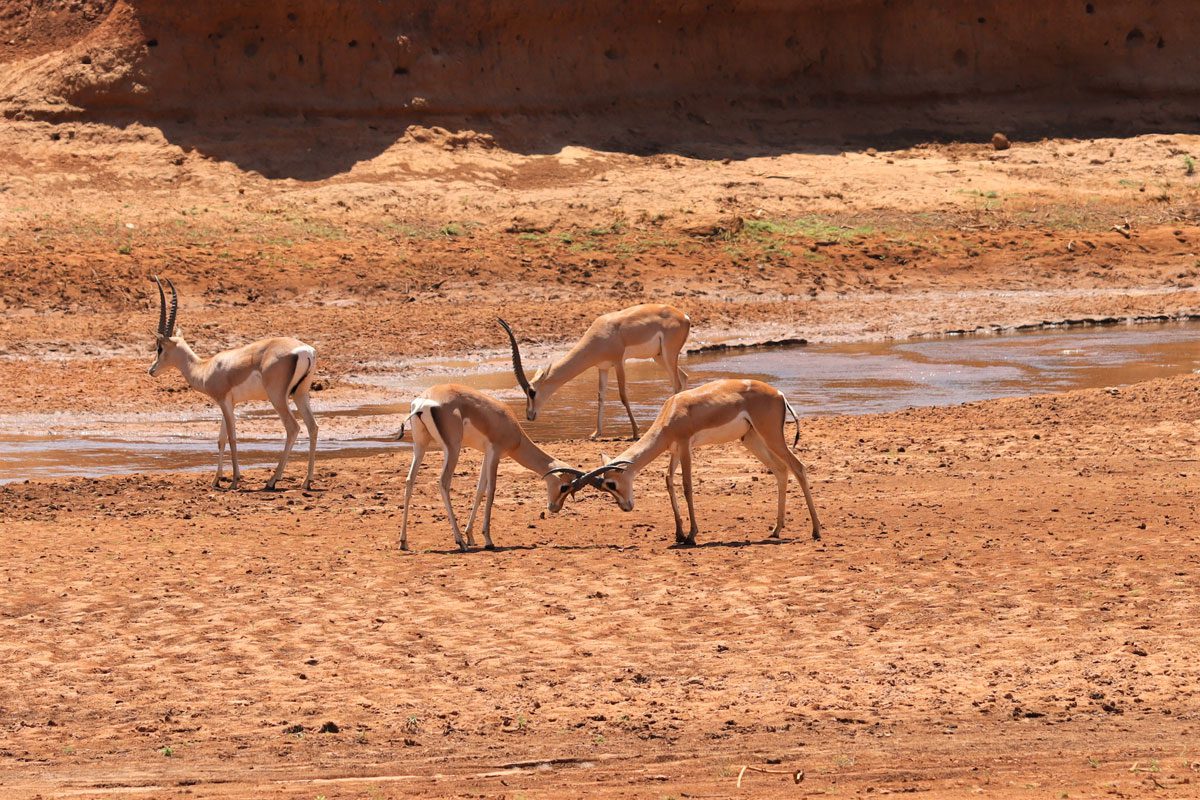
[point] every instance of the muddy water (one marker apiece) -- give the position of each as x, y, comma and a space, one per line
859, 378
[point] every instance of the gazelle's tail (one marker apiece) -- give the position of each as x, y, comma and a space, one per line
421, 405
796, 419
306, 359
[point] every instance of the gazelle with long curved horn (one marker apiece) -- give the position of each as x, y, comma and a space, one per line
270, 369
452, 417
645, 331
720, 411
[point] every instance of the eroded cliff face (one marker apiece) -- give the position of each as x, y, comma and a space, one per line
283, 57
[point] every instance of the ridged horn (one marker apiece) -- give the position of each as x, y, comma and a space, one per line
162, 308
170, 329
564, 471
591, 477
516, 358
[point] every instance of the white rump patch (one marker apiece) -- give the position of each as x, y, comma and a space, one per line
425, 421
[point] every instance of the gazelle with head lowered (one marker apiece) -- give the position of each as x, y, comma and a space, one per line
720, 411
270, 369
451, 417
645, 331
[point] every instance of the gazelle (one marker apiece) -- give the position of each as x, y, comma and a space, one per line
269, 369
716, 412
645, 331
451, 417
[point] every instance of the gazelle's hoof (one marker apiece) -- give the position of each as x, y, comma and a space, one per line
404, 545
816, 535
775, 535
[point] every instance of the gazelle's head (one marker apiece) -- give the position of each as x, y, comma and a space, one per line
613, 477
169, 344
536, 393
560, 484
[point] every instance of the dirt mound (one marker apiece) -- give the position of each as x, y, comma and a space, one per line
167, 59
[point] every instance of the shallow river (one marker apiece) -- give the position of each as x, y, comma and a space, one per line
860, 378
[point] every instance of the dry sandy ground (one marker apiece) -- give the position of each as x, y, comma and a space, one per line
1004, 604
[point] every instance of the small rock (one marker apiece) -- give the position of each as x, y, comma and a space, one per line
715, 227
330, 727
1000, 141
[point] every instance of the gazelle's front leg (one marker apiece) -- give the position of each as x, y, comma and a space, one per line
222, 438
620, 365
674, 500
480, 490
490, 463
601, 390
231, 429
685, 462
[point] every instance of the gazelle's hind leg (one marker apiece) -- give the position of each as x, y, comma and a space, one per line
773, 438
778, 467
685, 463
292, 427
620, 366
222, 439
450, 431
668, 359
310, 422
420, 440
601, 390
674, 500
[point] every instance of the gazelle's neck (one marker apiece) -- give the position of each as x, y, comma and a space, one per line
534, 458
193, 368
575, 362
652, 444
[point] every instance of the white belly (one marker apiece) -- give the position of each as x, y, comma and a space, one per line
731, 431
250, 389
651, 348
472, 437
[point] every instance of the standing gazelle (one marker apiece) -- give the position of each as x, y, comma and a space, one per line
716, 412
453, 416
269, 369
645, 331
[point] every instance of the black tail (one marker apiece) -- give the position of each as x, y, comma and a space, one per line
796, 419
308, 369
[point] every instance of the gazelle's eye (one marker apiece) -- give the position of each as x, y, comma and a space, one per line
610, 485
532, 393
564, 487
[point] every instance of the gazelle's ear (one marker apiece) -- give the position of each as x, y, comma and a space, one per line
178, 331
605, 458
